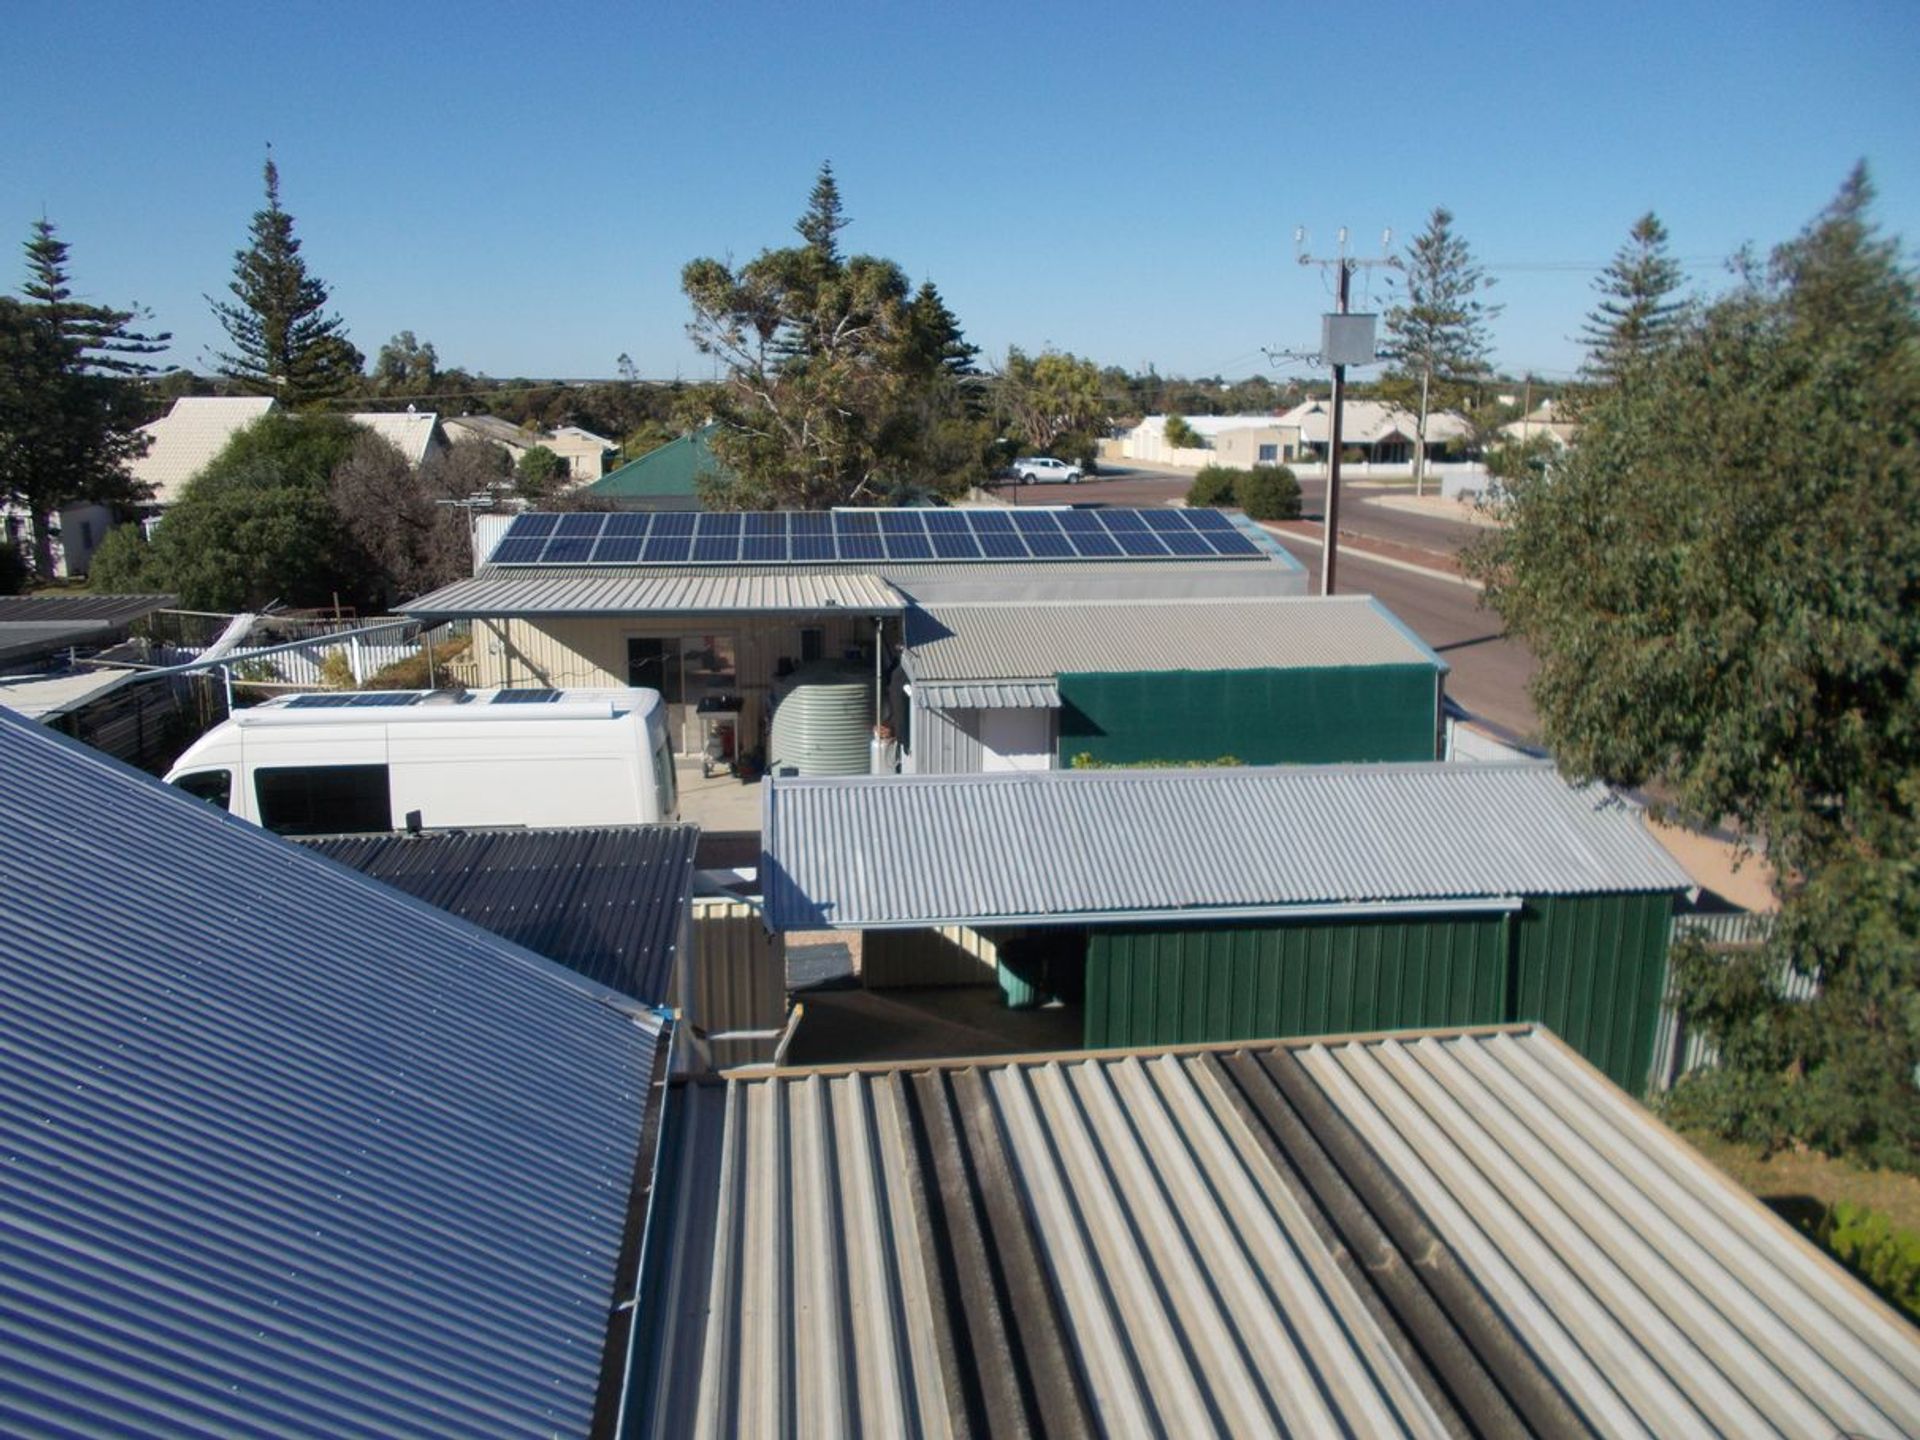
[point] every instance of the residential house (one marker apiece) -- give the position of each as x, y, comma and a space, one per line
583, 452
715, 607
1383, 434
417, 435
1547, 421
1237, 441
184, 440
665, 478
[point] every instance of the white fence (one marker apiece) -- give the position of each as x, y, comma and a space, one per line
300, 661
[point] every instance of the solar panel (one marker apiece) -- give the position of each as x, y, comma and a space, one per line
354, 700
567, 550
858, 536
664, 549
1231, 542
515, 551
526, 697
1093, 545
617, 550
526, 527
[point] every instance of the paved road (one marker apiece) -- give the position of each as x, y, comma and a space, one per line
1360, 512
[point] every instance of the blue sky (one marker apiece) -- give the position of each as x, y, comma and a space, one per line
521, 184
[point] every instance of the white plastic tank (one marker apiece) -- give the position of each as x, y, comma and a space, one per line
824, 721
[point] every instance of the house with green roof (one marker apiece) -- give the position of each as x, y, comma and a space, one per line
667, 478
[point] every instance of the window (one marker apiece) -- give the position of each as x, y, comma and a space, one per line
1269, 454
324, 799
653, 663
213, 786
813, 644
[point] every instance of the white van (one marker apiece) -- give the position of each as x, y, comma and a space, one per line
353, 762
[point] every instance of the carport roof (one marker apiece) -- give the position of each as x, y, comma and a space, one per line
496, 593
1069, 847
1460, 1232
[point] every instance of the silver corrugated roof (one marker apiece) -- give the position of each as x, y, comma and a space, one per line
999, 695
627, 589
1069, 846
1464, 1232
685, 592
286, 1152
995, 640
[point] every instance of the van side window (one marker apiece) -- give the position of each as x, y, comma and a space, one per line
213, 786
324, 799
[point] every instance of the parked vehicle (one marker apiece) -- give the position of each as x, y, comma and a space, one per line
1045, 470
357, 762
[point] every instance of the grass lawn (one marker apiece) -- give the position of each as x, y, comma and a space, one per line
1799, 1185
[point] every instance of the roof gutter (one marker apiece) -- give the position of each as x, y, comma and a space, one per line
1354, 909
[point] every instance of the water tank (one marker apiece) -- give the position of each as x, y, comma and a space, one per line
823, 722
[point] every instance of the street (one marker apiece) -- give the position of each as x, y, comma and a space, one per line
1490, 672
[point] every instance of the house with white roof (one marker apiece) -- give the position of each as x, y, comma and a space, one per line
416, 434
1385, 434
187, 437
1241, 441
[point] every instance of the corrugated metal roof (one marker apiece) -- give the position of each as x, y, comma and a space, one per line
1009, 640
610, 904
1469, 1232
286, 1152
410, 432
45, 697
998, 695
26, 640
1068, 846
627, 589
188, 436
684, 592
111, 609
673, 469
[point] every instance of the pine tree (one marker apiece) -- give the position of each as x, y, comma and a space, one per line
820, 227
1441, 332
1637, 312
67, 417
284, 344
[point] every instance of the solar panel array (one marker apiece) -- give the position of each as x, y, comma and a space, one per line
802, 537
354, 700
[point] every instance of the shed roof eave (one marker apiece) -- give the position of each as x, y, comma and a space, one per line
1356, 909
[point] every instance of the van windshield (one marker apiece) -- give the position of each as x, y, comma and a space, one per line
213, 786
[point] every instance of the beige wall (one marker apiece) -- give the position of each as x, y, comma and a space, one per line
587, 653
1240, 449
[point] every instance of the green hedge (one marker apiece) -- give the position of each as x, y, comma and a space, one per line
1867, 1244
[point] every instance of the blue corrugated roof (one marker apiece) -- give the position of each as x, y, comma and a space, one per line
285, 1152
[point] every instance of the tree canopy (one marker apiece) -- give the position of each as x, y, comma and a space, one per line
68, 416
1056, 404
1441, 331
1638, 309
843, 385
1721, 581
284, 343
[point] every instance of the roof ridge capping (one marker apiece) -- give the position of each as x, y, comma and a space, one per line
1148, 774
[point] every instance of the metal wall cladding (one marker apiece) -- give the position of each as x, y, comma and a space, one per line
1177, 986
287, 1152
608, 903
945, 955
945, 742
1593, 968
1308, 716
1423, 1234
740, 979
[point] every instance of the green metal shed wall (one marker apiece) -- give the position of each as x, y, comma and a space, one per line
1180, 985
1260, 717
1592, 968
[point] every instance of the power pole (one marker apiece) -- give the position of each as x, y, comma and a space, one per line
1346, 339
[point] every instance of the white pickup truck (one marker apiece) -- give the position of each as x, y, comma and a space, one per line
1045, 470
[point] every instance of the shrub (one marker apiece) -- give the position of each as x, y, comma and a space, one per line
1270, 493
1867, 1244
1214, 486
1181, 435
412, 672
